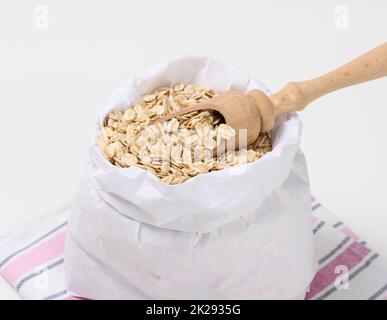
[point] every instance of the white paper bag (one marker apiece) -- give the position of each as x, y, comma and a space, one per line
238, 233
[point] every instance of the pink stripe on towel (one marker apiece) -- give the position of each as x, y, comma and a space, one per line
347, 231
326, 275
39, 255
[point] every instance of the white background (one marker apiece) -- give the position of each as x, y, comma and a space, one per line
54, 81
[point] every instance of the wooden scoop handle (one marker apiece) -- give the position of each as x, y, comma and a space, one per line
295, 96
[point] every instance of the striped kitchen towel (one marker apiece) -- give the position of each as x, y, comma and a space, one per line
31, 260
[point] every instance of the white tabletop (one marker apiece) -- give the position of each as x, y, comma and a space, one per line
57, 71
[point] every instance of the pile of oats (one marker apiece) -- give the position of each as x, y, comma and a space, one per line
181, 148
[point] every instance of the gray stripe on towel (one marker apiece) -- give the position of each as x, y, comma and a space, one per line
331, 253
38, 273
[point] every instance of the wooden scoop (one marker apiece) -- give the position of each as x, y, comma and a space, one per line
256, 112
